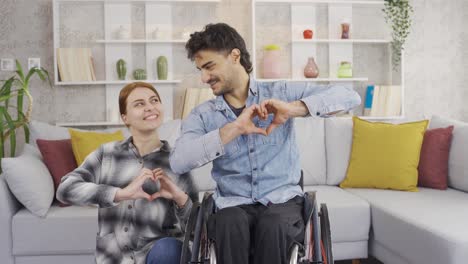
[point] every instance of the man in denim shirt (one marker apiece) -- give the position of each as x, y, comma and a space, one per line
247, 131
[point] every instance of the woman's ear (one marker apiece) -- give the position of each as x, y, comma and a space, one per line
124, 119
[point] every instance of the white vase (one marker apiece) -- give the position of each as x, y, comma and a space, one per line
123, 33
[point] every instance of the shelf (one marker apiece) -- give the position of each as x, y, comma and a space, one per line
118, 82
344, 2
363, 79
124, 41
376, 41
144, 1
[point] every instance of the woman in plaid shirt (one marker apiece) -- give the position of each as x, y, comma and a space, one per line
143, 205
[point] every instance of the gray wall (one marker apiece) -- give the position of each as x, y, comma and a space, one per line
436, 59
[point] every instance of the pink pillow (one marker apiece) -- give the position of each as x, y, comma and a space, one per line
58, 157
433, 162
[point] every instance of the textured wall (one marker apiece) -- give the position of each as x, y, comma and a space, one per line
435, 56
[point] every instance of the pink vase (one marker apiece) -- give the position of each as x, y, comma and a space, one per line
311, 70
271, 64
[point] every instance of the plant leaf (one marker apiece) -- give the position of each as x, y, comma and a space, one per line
11, 132
19, 70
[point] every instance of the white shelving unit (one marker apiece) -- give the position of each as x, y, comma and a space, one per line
317, 80
126, 41
304, 15
158, 14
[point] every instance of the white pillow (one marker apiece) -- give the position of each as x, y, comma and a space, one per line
458, 157
310, 138
29, 180
338, 142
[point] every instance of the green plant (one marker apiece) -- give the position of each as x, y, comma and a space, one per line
17, 87
398, 15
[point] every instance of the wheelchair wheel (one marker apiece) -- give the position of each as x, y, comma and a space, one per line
325, 235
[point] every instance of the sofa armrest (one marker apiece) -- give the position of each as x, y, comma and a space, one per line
8, 208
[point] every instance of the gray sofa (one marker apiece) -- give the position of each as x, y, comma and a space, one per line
425, 227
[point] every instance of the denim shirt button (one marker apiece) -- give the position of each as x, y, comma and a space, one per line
318, 113
217, 153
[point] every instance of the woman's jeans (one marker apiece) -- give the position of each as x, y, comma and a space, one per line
165, 251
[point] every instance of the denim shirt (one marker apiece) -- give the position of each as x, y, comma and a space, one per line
254, 168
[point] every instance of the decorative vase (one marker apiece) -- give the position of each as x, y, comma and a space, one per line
121, 69
123, 32
345, 30
308, 34
162, 67
271, 62
311, 70
139, 74
345, 70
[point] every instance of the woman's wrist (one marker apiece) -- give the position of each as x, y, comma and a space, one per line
119, 195
181, 199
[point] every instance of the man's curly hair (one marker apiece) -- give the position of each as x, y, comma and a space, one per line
218, 37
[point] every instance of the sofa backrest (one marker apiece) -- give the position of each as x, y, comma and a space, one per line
338, 143
458, 157
310, 138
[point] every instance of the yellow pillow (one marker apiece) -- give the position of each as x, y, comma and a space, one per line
85, 142
385, 156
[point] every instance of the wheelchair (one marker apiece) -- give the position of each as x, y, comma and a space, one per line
316, 248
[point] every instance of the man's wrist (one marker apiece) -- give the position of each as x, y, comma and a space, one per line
298, 109
230, 131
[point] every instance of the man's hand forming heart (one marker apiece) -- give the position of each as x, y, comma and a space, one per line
279, 109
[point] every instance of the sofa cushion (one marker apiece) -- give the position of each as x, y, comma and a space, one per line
338, 142
310, 136
29, 180
58, 157
433, 163
458, 157
349, 214
202, 178
427, 227
65, 230
385, 155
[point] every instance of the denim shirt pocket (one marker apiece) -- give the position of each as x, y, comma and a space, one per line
276, 137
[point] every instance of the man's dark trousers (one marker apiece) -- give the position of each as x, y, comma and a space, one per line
257, 234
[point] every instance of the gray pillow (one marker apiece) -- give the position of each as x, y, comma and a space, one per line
29, 180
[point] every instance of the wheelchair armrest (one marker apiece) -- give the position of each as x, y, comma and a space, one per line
310, 204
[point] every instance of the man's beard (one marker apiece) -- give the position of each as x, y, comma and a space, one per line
226, 88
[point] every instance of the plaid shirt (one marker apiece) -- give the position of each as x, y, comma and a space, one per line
127, 230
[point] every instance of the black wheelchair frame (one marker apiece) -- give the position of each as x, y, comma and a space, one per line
317, 229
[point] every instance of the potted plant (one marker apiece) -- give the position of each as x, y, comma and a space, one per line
398, 15
17, 87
